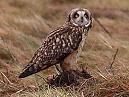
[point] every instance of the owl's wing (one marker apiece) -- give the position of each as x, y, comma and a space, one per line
57, 46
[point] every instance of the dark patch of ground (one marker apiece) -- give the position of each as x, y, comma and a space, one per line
68, 78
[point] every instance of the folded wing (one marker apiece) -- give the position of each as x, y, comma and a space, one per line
57, 46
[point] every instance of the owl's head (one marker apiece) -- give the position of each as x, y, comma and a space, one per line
80, 17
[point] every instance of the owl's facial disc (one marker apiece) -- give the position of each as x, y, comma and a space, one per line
80, 17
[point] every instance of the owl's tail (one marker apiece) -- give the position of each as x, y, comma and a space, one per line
32, 69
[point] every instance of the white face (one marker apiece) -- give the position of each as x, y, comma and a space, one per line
80, 17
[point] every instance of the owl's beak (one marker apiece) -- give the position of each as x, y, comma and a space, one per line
81, 19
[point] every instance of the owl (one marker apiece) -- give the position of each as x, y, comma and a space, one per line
62, 46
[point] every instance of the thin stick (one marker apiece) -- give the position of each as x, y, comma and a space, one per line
114, 57
4, 76
109, 33
17, 92
81, 85
100, 73
57, 69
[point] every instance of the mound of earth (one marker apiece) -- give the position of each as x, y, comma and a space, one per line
68, 78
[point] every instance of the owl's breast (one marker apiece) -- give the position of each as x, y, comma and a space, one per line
81, 45
82, 41
75, 39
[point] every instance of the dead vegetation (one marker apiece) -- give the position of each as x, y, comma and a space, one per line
68, 78
25, 24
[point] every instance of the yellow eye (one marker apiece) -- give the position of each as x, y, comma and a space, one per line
86, 15
76, 15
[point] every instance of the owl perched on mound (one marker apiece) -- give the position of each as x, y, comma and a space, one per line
62, 45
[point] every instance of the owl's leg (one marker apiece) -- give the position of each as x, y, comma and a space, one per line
70, 63
71, 66
58, 69
66, 66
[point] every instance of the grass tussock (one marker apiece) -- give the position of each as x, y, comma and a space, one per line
24, 25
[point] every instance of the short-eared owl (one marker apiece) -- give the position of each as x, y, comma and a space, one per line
62, 45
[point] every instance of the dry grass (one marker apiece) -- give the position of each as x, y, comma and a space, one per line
24, 24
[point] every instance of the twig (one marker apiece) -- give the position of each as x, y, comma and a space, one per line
12, 95
82, 94
2, 82
4, 76
8, 82
82, 85
114, 57
100, 73
109, 69
109, 33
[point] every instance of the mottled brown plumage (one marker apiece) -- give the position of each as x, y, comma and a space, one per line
61, 45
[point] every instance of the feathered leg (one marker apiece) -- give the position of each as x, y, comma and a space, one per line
58, 69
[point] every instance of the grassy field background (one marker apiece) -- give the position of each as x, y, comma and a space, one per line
25, 23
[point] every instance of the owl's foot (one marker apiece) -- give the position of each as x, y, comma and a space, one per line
68, 78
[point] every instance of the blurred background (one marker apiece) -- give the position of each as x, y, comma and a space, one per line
25, 23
